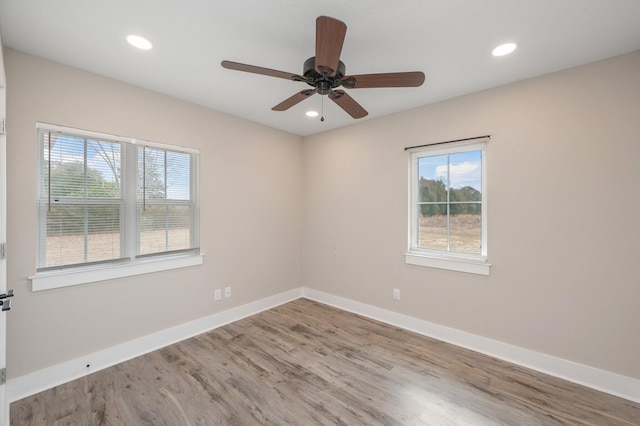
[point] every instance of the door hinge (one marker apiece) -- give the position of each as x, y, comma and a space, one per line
3, 250
3, 130
3, 376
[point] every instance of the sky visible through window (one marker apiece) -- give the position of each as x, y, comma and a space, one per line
463, 168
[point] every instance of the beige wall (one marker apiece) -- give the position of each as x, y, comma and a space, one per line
563, 211
250, 184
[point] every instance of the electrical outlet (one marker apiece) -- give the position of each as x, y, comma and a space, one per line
217, 295
227, 292
396, 294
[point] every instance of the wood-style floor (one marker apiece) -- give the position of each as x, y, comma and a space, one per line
304, 363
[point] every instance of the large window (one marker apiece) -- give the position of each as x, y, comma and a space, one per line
448, 207
106, 200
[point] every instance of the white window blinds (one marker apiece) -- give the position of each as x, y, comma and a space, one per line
164, 201
103, 198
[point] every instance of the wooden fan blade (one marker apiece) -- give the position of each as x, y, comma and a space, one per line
394, 79
330, 35
347, 103
293, 100
259, 70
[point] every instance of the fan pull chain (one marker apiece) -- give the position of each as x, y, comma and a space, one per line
322, 108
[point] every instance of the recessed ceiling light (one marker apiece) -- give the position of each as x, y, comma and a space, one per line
312, 113
504, 49
139, 42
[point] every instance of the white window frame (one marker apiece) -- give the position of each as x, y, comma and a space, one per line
462, 262
132, 264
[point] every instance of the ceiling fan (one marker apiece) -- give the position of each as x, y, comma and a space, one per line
325, 72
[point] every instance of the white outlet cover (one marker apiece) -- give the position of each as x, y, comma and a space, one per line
217, 294
227, 292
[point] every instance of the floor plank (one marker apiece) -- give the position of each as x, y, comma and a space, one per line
305, 363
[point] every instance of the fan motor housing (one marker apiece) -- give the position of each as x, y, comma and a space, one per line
323, 84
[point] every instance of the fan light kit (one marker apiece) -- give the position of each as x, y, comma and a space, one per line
311, 113
325, 72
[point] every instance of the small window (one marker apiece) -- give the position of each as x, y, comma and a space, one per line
110, 200
448, 221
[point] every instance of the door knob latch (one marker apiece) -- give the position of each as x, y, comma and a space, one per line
5, 302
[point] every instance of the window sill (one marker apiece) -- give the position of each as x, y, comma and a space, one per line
451, 263
58, 279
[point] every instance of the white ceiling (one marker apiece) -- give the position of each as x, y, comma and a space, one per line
449, 40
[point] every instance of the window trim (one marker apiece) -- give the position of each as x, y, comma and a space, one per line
461, 262
135, 264
89, 274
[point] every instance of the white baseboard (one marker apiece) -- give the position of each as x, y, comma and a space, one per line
601, 380
612, 383
32, 383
